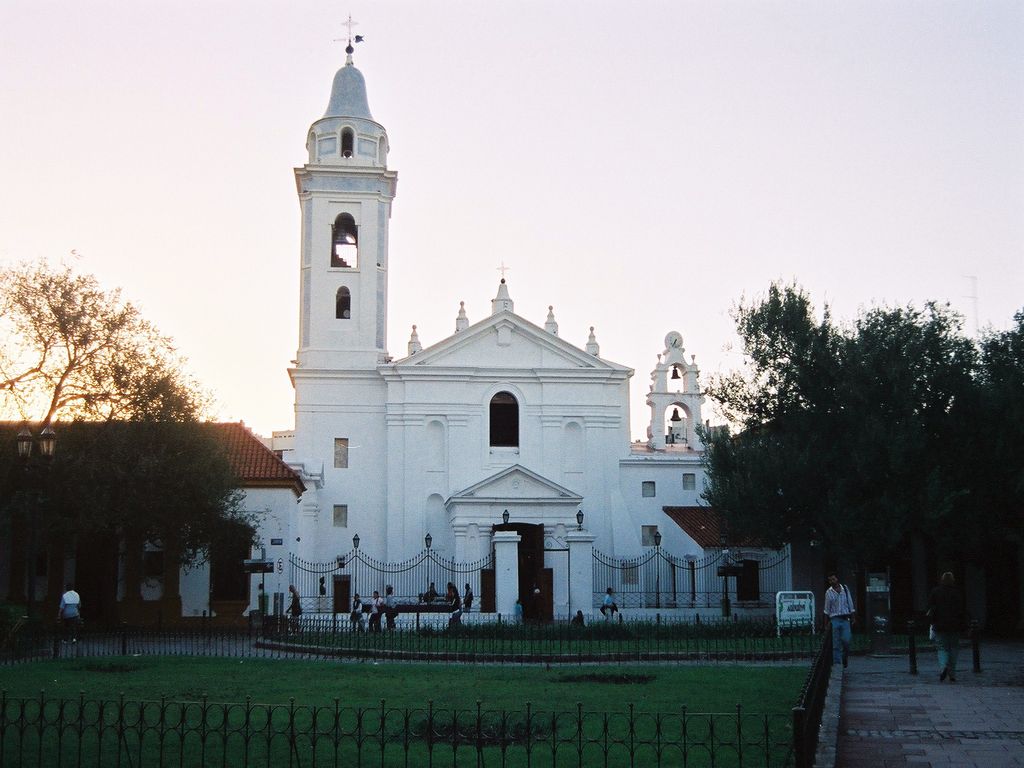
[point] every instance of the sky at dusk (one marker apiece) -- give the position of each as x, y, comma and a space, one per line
640, 166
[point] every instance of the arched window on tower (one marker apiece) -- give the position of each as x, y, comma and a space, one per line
344, 242
343, 304
348, 138
504, 421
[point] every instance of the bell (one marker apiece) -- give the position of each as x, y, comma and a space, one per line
675, 372
675, 415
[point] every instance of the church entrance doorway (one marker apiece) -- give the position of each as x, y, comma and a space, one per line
536, 583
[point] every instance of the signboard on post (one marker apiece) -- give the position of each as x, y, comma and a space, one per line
794, 610
258, 566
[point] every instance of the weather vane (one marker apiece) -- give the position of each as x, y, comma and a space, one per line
350, 39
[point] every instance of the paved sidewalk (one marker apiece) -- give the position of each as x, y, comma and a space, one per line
892, 718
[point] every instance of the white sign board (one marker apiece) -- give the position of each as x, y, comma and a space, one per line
794, 609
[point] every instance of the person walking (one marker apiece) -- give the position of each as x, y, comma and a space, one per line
356, 616
294, 610
376, 611
390, 607
70, 613
608, 606
949, 619
842, 615
454, 605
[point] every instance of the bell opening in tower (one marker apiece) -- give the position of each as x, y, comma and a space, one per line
344, 242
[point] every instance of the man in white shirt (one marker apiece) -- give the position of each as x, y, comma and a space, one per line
842, 615
70, 612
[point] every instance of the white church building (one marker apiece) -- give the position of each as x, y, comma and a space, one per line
503, 416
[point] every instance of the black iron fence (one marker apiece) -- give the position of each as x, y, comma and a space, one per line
659, 579
330, 586
333, 637
809, 707
41, 731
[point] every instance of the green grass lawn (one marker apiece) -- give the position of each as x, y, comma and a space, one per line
659, 688
577, 714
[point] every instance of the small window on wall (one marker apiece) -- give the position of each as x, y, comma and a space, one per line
343, 304
648, 533
344, 242
689, 481
631, 575
341, 453
341, 515
347, 140
647, 489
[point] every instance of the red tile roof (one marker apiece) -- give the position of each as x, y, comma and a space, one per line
704, 526
253, 462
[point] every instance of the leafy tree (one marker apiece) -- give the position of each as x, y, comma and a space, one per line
992, 448
70, 349
136, 466
846, 435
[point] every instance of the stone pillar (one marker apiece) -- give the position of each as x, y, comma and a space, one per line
506, 572
581, 571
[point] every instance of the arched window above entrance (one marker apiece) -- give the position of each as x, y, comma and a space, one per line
504, 421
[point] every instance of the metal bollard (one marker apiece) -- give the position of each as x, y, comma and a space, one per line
912, 640
976, 645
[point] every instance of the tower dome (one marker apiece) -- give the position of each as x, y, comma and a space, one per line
347, 134
348, 94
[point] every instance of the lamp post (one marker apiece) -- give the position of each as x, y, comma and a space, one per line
47, 446
579, 520
504, 517
428, 540
355, 541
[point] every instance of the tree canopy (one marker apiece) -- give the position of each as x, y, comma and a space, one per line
861, 436
133, 463
71, 349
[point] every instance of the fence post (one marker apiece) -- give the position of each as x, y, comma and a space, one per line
912, 646
799, 745
976, 645
124, 638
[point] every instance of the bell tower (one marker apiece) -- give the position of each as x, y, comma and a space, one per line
345, 191
675, 400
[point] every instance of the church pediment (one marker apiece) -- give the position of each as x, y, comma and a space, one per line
514, 484
505, 341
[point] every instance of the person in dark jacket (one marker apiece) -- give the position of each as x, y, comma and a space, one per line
948, 618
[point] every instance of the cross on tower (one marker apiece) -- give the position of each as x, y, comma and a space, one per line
350, 24
358, 38
503, 269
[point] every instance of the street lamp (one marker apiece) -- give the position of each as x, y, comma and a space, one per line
428, 540
504, 517
47, 447
579, 520
47, 442
355, 541
657, 538
24, 444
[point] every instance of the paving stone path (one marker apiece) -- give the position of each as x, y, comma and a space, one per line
891, 718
